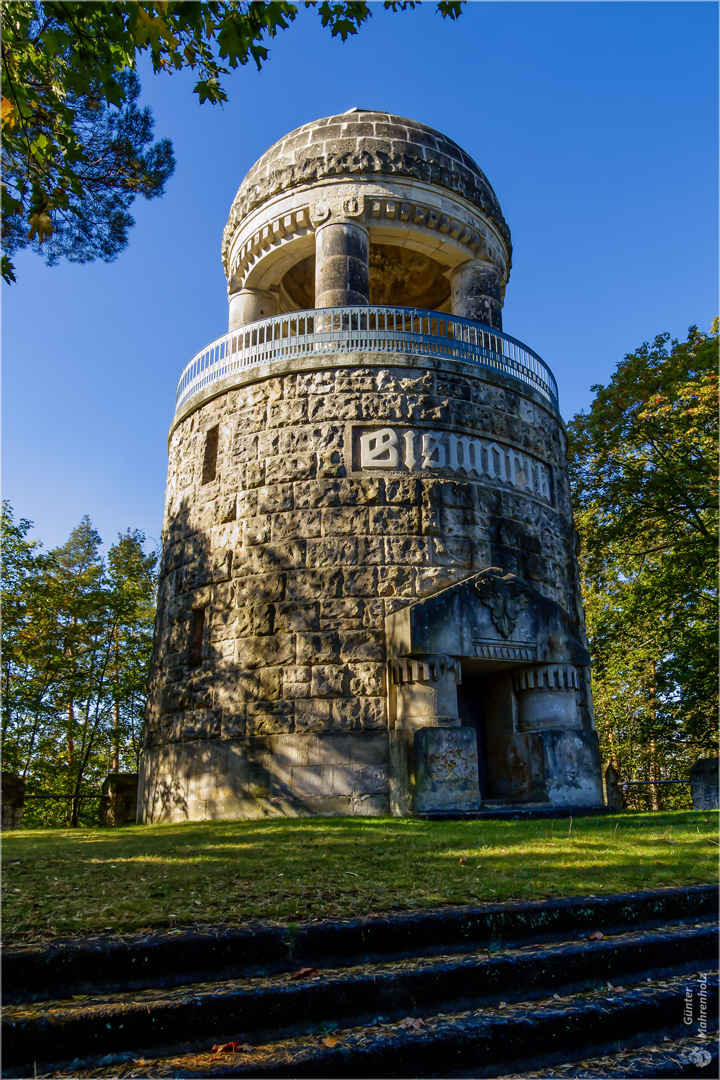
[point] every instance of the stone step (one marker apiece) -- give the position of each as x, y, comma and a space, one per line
280, 1005
166, 958
673, 1058
514, 811
504, 1039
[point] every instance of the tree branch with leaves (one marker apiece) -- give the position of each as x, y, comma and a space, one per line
643, 469
76, 149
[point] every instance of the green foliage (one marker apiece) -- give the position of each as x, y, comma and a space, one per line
74, 142
643, 468
78, 634
119, 161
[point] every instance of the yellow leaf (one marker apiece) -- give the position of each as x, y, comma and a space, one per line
150, 28
8, 112
40, 224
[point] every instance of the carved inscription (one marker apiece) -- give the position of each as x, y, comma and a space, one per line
413, 450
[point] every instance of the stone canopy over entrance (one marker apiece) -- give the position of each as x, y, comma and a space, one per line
369, 600
490, 701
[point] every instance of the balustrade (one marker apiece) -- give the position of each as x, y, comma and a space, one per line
364, 330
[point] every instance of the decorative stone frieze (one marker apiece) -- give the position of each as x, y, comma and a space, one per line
368, 549
545, 677
411, 669
469, 244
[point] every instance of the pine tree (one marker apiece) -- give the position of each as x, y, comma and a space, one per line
78, 642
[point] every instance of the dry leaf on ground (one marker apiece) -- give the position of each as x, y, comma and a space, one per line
303, 972
232, 1048
412, 1022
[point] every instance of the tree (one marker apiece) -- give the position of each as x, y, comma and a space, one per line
643, 466
31, 662
75, 673
90, 219
75, 142
131, 580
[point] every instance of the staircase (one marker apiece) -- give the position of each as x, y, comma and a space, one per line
617, 986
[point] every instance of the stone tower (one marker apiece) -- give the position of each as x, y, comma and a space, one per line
369, 597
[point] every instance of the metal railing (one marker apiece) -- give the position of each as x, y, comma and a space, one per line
625, 784
364, 329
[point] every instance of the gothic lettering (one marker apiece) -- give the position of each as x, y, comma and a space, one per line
378, 449
410, 449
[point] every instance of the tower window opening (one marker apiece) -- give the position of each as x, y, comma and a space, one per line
196, 637
209, 471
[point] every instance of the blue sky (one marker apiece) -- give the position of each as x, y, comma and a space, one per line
596, 124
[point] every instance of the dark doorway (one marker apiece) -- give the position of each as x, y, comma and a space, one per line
471, 710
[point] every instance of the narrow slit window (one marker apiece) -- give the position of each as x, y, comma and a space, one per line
196, 637
209, 471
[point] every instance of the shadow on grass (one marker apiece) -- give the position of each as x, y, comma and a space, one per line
170, 875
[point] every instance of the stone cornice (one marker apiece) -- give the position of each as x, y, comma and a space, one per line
458, 229
326, 165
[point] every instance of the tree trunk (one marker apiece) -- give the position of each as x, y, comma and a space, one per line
613, 750
654, 773
116, 739
116, 716
70, 740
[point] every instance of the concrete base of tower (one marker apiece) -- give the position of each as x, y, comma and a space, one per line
332, 774
353, 774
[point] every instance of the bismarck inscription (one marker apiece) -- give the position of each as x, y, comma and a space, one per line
416, 450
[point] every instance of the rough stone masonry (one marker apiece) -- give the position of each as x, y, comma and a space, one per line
369, 598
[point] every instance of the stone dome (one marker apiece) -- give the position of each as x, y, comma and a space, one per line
362, 142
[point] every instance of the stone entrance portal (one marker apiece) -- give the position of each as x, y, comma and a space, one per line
489, 694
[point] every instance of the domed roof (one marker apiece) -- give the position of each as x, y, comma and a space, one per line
362, 141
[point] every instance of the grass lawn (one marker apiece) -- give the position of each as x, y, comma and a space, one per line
70, 881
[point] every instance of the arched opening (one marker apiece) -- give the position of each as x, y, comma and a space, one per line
399, 276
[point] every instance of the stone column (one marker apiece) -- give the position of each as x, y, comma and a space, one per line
426, 692
476, 293
433, 755
704, 784
251, 305
547, 697
342, 265
13, 800
611, 786
120, 807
